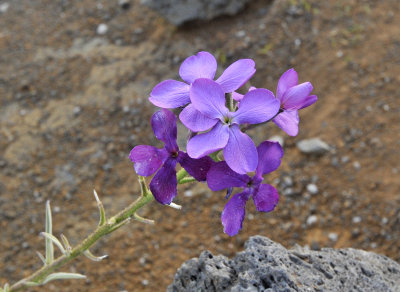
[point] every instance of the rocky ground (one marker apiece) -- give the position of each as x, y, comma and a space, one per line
74, 82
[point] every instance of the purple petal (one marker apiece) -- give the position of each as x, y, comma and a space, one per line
240, 153
233, 214
236, 75
163, 185
222, 177
204, 144
195, 120
287, 80
202, 65
198, 168
309, 101
257, 106
288, 121
147, 159
266, 198
208, 98
269, 157
237, 96
296, 96
163, 123
170, 94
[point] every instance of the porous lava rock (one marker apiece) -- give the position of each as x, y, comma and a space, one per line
268, 266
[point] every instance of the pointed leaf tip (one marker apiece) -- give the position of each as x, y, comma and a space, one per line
92, 257
102, 212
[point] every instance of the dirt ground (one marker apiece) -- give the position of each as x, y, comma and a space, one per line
73, 103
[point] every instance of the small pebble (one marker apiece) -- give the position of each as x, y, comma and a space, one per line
339, 54
241, 33
56, 209
356, 219
356, 165
384, 220
386, 107
333, 236
312, 189
312, 220
102, 29
4, 7
145, 282
313, 146
188, 193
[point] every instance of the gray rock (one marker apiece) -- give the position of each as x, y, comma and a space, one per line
181, 11
268, 266
313, 146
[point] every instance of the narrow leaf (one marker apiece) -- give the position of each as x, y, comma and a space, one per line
143, 220
49, 230
67, 246
6, 287
62, 276
102, 212
90, 256
32, 284
54, 240
41, 257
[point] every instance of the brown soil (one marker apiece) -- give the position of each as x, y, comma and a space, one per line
73, 104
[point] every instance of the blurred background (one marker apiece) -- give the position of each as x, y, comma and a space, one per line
75, 77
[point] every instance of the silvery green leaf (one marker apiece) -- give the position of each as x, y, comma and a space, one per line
90, 256
41, 257
54, 240
62, 276
32, 284
49, 230
141, 219
102, 212
6, 288
67, 246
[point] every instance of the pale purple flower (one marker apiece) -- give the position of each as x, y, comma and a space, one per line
265, 196
208, 110
149, 159
173, 94
292, 97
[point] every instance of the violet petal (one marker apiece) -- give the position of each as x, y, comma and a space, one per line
309, 101
288, 121
202, 65
163, 123
198, 168
170, 94
257, 106
195, 120
164, 183
204, 144
296, 96
269, 157
265, 198
233, 214
236, 75
147, 159
221, 176
287, 80
208, 98
240, 152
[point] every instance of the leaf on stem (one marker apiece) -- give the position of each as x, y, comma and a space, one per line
41, 257
67, 246
32, 284
54, 240
62, 276
92, 257
48, 229
102, 212
141, 219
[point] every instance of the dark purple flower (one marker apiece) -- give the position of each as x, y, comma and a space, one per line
208, 110
292, 97
149, 159
173, 94
265, 196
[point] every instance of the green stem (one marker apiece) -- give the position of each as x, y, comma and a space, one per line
98, 233
186, 180
181, 174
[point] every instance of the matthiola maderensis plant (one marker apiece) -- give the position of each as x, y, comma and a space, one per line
218, 151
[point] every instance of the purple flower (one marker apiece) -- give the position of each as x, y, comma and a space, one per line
149, 159
292, 97
173, 94
265, 196
208, 110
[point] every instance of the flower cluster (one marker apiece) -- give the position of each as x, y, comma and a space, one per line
217, 117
